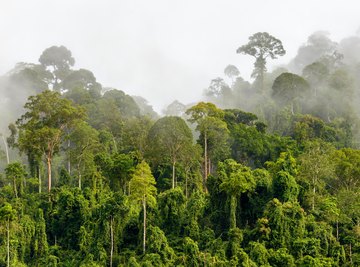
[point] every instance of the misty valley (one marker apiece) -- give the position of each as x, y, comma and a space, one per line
264, 172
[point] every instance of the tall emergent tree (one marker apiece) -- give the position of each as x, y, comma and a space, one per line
143, 190
42, 128
262, 45
169, 139
57, 60
213, 130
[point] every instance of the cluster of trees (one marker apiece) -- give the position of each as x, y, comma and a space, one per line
95, 178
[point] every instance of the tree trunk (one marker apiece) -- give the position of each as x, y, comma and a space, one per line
144, 222
79, 171
39, 176
69, 163
49, 173
206, 161
209, 167
8, 243
112, 240
292, 108
15, 189
79, 174
262, 74
115, 146
6, 150
80, 181
186, 184
173, 174
233, 205
313, 198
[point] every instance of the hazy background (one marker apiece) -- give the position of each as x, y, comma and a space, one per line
162, 49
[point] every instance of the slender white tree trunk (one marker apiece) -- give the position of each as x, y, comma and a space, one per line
49, 173
69, 163
15, 189
144, 222
186, 184
209, 171
173, 174
8, 243
314, 192
206, 160
39, 176
112, 240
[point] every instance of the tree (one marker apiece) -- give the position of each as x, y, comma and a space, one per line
219, 92
135, 134
78, 81
236, 180
84, 142
347, 169
145, 108
43, 126
58, 60
315, 166
262, 45
171, 205
213, 132
158, 244
217, 88
288, 88
175, 108
7, 214
6, 148
284, 171
317, 46
114, 207
143, 190
232, 72
15, 173
316, 73
40, 238
168, 140
125, 103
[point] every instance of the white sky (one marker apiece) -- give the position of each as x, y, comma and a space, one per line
163, 49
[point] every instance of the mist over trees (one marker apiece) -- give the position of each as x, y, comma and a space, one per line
259, 173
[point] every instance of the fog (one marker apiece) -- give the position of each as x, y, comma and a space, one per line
164, 50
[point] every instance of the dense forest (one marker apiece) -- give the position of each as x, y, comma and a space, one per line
259, 173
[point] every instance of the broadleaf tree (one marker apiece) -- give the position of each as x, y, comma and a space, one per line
262, 46
43, 126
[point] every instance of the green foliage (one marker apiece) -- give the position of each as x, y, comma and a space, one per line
236, 179
15, 175
280, 172
286, 221
158, 244
142, 184
192, 254
288, 88
283, 170
169, 141
171, 204
43, 126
